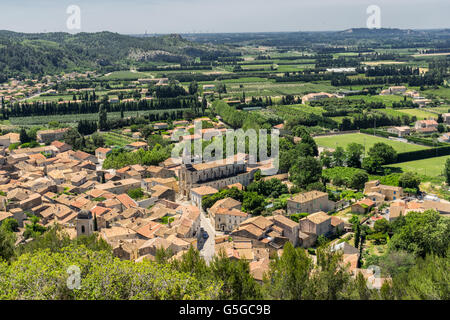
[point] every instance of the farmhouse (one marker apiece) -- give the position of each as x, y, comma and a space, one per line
426, 126
316, 96
400, 131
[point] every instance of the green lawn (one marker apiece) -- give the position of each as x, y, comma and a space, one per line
432, 167
387, 100
364, 139
419, 113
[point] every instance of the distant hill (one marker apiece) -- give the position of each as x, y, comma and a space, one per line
38, 54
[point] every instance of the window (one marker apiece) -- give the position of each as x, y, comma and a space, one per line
82, 229
395, 198
395, 192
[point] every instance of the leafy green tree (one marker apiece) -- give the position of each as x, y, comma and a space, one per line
98, 140
339, 157
33, 229
409, 180
269, 188
447, 171
238, 284
428, 279
102, 277
372, 165
382, 226
7, 240
288, 276
10, 225
422, 233
395, 262
307, 139
358, 180
253, 203
354, 154
306, 171
192, 263
326, 159
384, 152
73, 138
333, 282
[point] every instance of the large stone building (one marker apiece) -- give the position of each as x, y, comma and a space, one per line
216, 174
310, 202
47, 136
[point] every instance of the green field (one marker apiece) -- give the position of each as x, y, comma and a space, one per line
432, 167
419, 113
387, 100
364, 139
117, 139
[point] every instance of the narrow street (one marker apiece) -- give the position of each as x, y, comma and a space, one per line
207, 247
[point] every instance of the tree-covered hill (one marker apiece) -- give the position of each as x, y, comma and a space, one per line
41, 53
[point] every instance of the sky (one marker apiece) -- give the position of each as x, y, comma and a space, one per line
217, 16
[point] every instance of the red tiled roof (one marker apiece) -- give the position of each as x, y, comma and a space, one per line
126, 201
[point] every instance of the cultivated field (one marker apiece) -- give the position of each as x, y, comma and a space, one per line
366, 140
74, 118
432, 167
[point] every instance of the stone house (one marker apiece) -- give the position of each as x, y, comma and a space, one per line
363, 206
318, 223
102, 153
227, 220
290, 229
310, 202
400, 131
389, 192
198, 193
